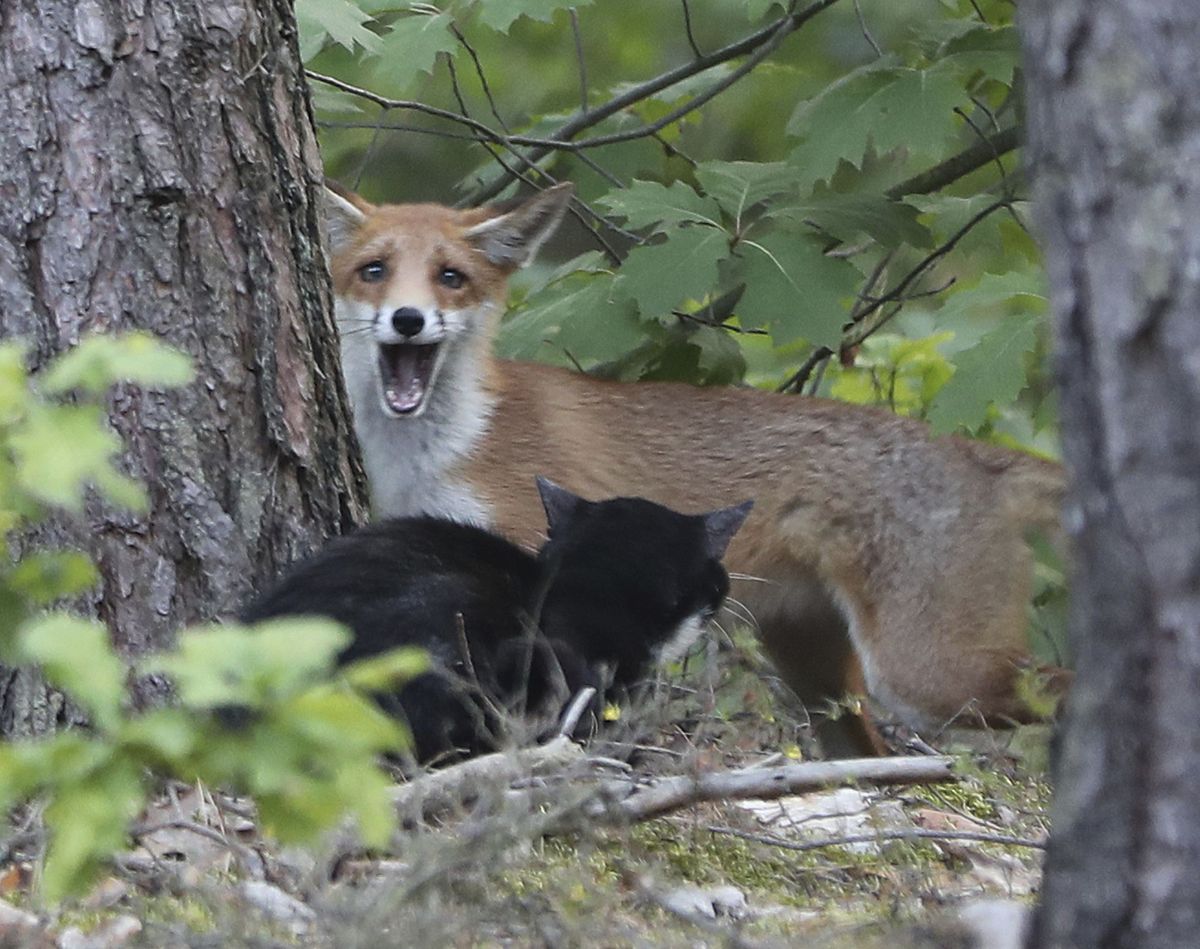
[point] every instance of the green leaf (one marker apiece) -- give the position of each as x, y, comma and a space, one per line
387, 670
795, 290
369, 794
76, 656
339, 20
659, 276
886, 106
168, 734
99, 361
990, 373
502, 14
60, 448
846, 216
738, 185
87, 823
46, 576
973, 312
649, 204
343, 720
14, 383
231, 665
988, 50
412, 47
578, 317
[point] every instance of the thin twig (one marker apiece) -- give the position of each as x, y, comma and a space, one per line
583, 81
635, 94
687, 28
862, 25
866, 327
479, 73
912, 833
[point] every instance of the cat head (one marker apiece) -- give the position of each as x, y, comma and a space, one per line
632, 581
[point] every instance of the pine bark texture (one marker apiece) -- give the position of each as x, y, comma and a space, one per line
1114, 148
158, 170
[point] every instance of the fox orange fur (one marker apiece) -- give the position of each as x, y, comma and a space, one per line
882, 553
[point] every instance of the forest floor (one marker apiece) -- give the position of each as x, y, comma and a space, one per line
535, 860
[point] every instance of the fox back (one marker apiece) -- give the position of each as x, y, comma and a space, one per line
618, 585
881, 558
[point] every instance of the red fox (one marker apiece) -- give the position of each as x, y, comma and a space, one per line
881, 554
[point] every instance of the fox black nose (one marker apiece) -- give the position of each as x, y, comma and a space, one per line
408, 321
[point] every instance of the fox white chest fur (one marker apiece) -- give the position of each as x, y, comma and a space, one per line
407, 458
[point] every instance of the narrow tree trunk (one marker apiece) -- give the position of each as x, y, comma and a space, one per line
1114, 142
158, 170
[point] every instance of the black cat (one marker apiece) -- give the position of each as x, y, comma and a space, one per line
615, 586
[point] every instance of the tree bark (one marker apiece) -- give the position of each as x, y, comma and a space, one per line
158, 170
1114, 146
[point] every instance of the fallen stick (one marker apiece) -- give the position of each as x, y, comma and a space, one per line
439, 791
671, 794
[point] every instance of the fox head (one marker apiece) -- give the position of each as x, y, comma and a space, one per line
414, 282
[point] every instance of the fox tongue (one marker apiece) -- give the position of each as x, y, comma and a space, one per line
405, 370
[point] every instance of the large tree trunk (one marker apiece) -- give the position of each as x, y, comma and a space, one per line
1114, 141
158, 169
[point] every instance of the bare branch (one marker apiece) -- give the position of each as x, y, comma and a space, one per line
671, 794
957, 166
562, 136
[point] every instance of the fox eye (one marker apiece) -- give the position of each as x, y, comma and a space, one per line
449, 277
373, 272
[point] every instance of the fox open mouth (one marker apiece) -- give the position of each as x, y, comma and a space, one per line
406, 370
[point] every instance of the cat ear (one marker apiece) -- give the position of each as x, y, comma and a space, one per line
511, 239
720, 526
560, 504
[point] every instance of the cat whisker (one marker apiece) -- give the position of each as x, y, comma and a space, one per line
751, 577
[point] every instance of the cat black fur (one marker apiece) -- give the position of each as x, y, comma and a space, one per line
608, 590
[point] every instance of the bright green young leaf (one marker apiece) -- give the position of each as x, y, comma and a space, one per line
993, 372
87, 823
46, 576
369, 793
167, 734
738, 185
230, 665
387, 670
649, 204
14, 383
99, 361
59, 449
887, 107
412, 47
340, 20
501, 14
343, 720
659, 276
76, 656
794, 290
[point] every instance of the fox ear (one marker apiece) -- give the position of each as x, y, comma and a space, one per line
511, 239
342, 214
560, 504
720, 526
